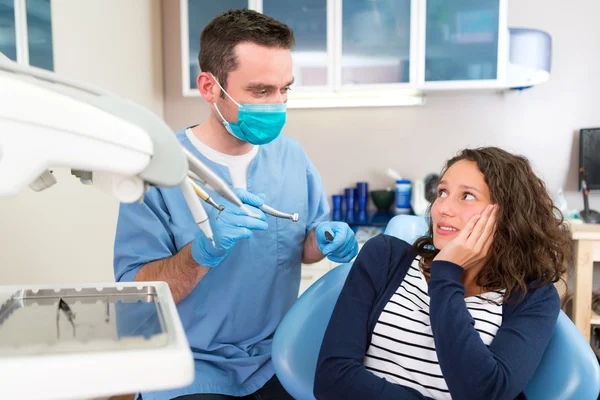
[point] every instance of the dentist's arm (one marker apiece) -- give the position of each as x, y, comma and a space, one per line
180, 271
185, 269
311, 253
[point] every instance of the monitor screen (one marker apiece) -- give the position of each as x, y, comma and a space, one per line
589, 158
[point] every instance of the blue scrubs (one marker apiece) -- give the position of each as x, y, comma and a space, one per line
231, 315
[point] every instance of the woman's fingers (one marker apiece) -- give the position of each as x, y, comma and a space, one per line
487, 245
479, 228
465, 232
488, 230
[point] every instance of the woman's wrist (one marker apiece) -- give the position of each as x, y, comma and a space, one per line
445, 270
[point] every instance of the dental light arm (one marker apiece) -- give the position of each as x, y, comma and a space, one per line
47, 121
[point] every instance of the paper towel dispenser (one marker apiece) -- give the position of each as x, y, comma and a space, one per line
530, 58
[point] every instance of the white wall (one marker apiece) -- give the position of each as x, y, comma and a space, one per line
66, 233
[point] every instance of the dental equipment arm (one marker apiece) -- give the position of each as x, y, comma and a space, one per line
112, 143
119, 147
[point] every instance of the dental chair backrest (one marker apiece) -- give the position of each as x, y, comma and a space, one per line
568, 369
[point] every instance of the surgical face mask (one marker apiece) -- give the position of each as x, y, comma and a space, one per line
257, 123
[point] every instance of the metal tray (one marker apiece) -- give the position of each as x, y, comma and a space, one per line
105, 319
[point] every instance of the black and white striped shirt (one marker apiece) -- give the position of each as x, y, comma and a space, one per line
402, 349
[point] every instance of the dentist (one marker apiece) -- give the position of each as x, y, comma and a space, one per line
232, 297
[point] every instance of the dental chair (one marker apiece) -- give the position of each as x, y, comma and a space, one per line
568, 369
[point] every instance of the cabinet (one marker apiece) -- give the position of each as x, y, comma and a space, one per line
312, 272
360, 52
586, 243
26, 32
463, 44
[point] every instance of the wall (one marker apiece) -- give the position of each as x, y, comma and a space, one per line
65, 234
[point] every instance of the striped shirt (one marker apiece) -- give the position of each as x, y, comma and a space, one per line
402, 349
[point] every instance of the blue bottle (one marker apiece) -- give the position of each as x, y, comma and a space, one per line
336, 213
349, 194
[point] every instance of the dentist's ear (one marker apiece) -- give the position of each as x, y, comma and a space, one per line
208, 87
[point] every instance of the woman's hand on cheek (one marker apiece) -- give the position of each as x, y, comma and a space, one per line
473, 242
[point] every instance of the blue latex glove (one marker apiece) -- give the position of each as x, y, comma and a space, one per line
231, 225
343, 247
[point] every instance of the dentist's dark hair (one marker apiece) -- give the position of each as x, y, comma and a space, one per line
220, 37
531, 243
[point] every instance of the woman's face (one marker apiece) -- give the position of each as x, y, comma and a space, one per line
462, 193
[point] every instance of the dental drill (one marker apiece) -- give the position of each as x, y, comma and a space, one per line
206, 197
265, 208
278, 214
210, 178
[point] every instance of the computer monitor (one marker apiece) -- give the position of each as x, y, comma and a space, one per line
589, 158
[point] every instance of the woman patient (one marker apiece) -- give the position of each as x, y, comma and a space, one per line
468, 310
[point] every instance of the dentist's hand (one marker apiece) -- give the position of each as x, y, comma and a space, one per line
342, 247
231, 225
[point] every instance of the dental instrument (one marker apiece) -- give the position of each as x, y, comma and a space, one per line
198, 212
212, 179
267, 209
205, 196
195, 177
278, 214
328, 236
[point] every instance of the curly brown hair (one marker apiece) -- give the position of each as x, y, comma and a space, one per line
531, 242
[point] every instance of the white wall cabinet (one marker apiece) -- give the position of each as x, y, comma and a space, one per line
463, 44
26, 32
312, 272
364, 52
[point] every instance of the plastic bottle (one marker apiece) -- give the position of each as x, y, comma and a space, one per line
403, 194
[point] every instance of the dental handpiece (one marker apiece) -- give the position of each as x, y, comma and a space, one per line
205, 196
209, 177
198, 212
278, 214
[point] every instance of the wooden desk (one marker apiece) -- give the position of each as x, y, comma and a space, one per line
586, 241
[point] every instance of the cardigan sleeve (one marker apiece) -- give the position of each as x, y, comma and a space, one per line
470, 368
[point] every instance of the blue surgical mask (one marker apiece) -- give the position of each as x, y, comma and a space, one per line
257, 123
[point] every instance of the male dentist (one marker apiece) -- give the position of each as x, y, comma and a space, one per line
231, 297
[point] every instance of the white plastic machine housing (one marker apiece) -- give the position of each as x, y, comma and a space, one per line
88, 369
47, 121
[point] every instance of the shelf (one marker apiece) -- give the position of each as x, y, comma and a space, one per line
595, 319
583, 231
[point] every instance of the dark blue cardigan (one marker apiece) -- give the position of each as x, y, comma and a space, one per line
470, 368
